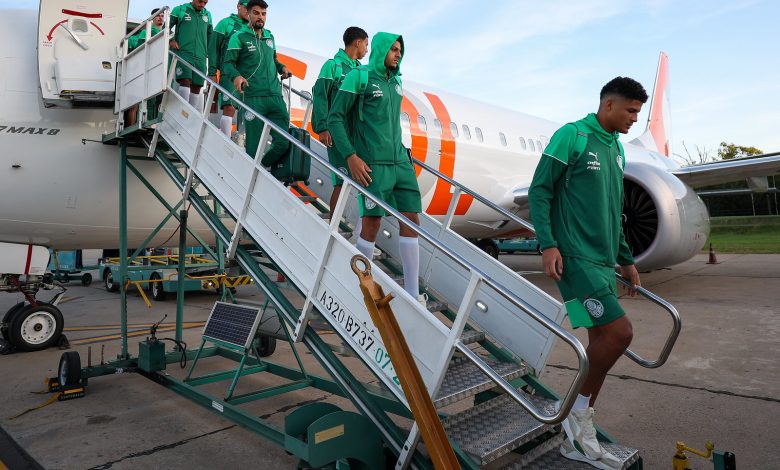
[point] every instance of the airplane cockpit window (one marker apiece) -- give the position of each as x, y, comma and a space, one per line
522, 143
531, 145
79, 26
454, 129
479, 134
539, 146
423, 124
466, 132
502, 137
405, 121
437, 126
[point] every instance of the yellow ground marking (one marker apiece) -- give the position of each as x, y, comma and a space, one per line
130, 334
193, 324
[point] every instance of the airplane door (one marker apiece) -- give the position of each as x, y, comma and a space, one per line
77, 50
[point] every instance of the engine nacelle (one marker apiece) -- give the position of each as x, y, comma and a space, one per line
665, 221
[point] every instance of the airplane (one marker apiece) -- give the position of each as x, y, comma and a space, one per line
59, 186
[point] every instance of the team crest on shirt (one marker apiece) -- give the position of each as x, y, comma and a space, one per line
179, 71
399, 90
205, 18
369, 203
620, 161
250, 117
269, 43
594, 307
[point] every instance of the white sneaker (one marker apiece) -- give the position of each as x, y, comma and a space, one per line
377, 252
423, 299
581, 434
606, 462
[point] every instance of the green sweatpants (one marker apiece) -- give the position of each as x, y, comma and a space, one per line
273, 108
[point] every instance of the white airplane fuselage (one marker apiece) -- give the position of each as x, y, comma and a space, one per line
60, 184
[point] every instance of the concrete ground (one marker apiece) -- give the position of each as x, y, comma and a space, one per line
722, 382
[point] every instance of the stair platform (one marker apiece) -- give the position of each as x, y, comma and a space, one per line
464, 379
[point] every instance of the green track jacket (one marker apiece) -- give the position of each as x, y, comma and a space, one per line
327, 85
254, 58
219, 40
576, 201
192, 30
376, 138
139, 38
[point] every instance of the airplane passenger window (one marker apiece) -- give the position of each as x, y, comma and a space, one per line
479, 134
522, 143
79, 26
531, 145
405, 121
437, 126
466, 132
502, 137
539, 146
454, 129
422, 123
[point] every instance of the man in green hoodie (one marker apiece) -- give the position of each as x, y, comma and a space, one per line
331, 75
368, 104
217, 47
134, 42
191, 23
250, 63
576, 201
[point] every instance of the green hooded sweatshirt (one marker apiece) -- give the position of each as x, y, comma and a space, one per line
327, 85
219, 40
377, 137
576, 201
192, 30
139, 38
254, 58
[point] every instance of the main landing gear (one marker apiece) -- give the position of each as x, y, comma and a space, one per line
31, 325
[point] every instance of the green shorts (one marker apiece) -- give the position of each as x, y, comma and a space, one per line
185, 73
590, 293
394, 184
227, 84
335, 159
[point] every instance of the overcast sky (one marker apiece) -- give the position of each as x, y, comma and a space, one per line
551, 58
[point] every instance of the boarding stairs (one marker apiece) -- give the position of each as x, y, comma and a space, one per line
479, 345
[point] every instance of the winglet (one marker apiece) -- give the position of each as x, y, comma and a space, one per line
658, 134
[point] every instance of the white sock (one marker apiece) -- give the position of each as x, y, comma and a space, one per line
359, 225
581, 403
184, 91
196, 100
226, 124
409, 247
366, 247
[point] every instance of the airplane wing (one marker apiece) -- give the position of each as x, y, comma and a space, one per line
729, 170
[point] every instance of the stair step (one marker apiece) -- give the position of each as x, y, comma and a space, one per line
472, 336
207, 197
307, 198
548, 457
464, 379
496, 427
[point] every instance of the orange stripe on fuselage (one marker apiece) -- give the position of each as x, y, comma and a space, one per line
442, 196
295, 66
419, 137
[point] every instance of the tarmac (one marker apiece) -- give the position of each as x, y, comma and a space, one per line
721, 383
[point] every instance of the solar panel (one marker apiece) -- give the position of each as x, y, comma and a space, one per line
232, 324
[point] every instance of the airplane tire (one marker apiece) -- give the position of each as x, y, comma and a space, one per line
69, 371
34, 328
158, 293
9, 315
265, 345
489, 246
108, 281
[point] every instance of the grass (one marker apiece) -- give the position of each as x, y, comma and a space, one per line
745, 234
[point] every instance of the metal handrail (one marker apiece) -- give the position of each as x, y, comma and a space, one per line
165, 10
567, 337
